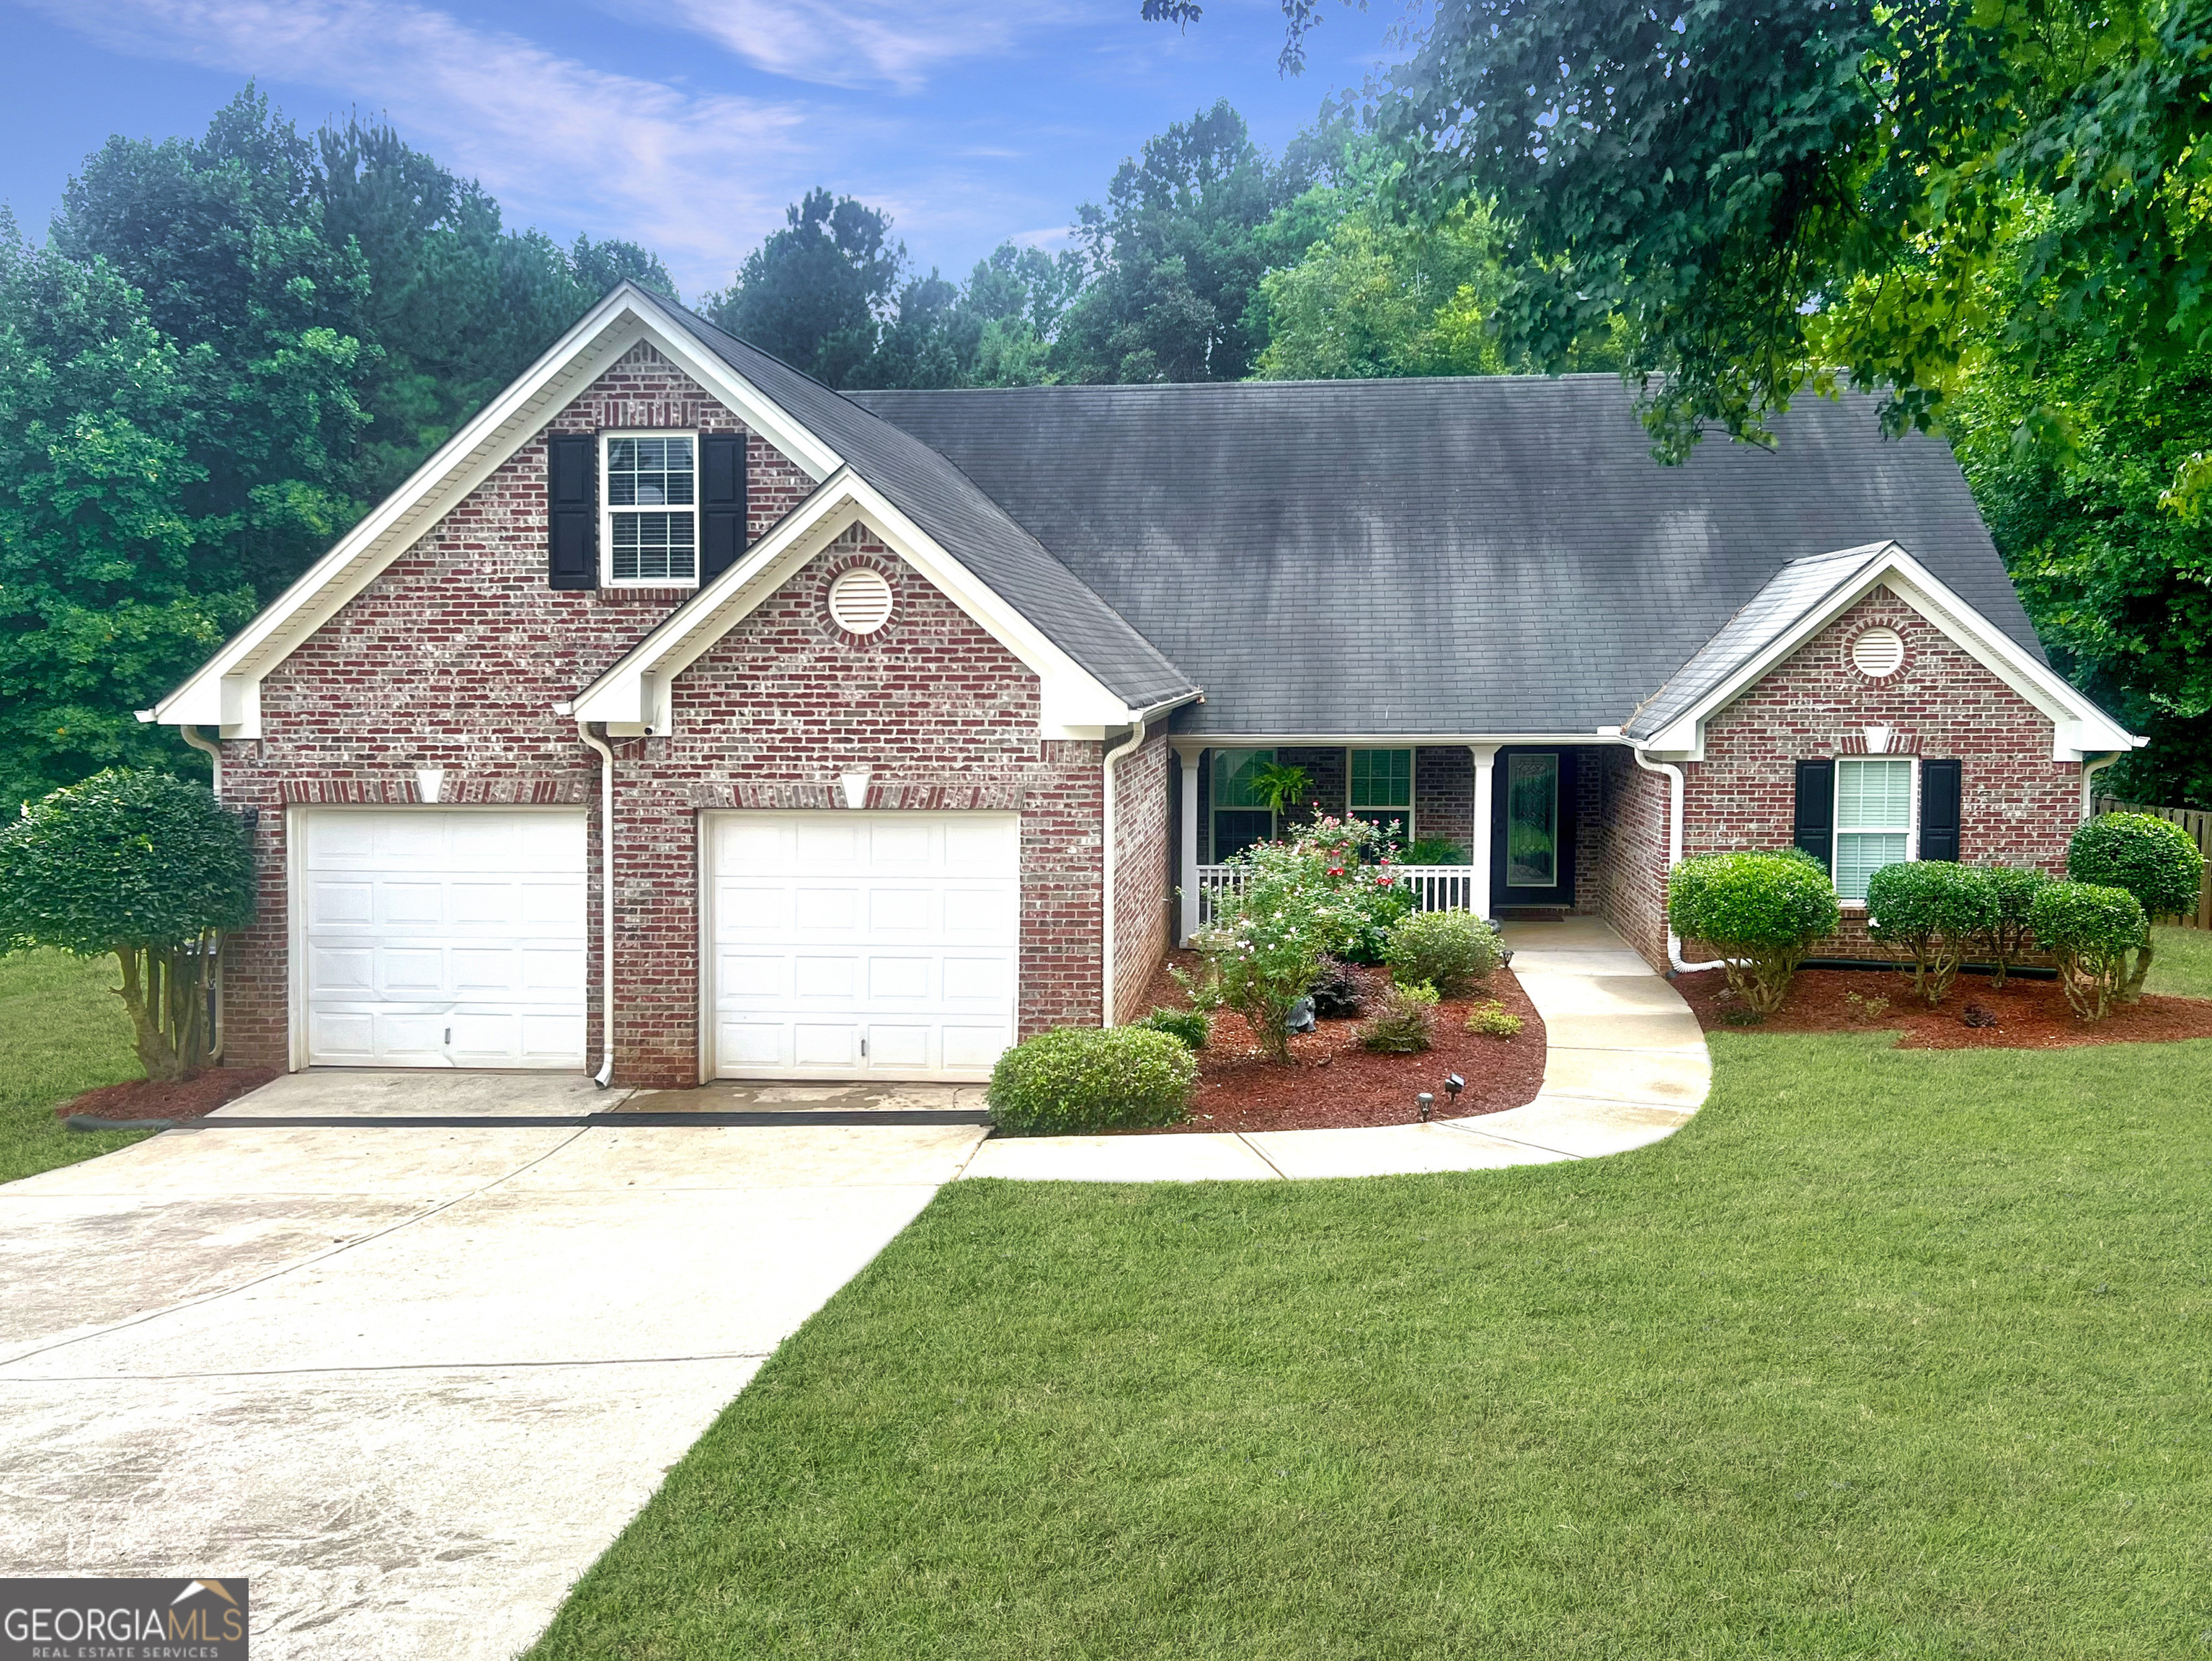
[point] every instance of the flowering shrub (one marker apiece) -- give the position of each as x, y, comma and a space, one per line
1302, 900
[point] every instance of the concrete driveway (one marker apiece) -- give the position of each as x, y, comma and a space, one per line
412, 1380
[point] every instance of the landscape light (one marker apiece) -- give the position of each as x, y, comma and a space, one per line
1426, 1102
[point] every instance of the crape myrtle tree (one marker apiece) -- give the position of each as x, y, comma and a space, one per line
150, 867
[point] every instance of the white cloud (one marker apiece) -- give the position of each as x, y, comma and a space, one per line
697, 178
852, 43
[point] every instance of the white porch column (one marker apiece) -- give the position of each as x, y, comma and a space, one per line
1188, 924
1486, 773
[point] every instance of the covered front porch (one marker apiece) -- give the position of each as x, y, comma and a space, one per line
1494, 827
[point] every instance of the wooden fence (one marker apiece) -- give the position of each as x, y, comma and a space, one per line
2199, 827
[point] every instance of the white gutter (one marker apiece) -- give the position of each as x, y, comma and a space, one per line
214, 753
1112, 757
2089, 770
1674, 856
606, 1072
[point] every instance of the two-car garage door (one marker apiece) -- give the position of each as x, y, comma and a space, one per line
852, 944
838, 945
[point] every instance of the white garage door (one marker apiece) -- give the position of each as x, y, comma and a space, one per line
849, 944
442, 937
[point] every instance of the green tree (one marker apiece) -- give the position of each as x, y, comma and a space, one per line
1176, 257
815, 293
148, 868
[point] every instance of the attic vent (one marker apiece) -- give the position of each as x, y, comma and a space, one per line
1877, 652
860, 600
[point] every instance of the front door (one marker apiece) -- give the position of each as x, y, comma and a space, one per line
1532, 840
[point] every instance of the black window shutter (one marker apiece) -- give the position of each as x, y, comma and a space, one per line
1816, 826
572, 510
721, 501
1939, 809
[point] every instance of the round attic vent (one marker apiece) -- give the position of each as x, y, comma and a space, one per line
860, 600
1878, 652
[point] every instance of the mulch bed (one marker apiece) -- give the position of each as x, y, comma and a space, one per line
1333, 1084
2029, 1014
151, 1098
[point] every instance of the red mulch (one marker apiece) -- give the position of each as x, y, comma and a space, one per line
2030, 1014
151, 1098
1333, 1084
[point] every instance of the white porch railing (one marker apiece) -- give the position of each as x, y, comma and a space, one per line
1435, 887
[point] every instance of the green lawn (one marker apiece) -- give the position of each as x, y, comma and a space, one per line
2181, 962
62, 1031
1888, 1354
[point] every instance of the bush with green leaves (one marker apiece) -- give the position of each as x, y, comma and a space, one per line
2090, 929
1453, 950
1934, 910
1297, 902
149, 868
1761, 911
1493, 1020
1434, 851
1077, 1078
1190, 1025
2153, 859
2009, 935
1405, 1024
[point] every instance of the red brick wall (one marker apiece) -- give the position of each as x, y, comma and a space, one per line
1627, 877
1144, 852
2018, 805
453, 656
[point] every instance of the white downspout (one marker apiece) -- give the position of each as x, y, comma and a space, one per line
1674, 856
2089, 770
606, 1072
1113, 757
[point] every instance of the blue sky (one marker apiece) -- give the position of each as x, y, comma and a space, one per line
686, 125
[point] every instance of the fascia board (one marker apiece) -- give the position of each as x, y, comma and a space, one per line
222, 691
1071, 697
1389, 740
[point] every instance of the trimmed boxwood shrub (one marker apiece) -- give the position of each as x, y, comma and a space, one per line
1934, 910
1761, 911
1092, 1078
2009, 934
1191, 1025
2090, 929
2153, 859
1452, 951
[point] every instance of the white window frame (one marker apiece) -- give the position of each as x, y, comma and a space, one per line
1837, 833
1412, 769
608, 511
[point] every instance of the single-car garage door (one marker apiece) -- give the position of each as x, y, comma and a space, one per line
441, 937
856, 945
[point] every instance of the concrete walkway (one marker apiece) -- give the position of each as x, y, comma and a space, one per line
411, 1381
1625, 1065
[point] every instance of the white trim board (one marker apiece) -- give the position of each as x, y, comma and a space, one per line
2078, 729
634, 696
225, 691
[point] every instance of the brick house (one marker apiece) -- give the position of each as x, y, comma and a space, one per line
817, 736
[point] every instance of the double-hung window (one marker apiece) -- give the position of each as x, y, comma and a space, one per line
652, 508
1873, 819
1241, 814
1381, 791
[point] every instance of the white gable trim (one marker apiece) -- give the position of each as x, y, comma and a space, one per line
225, 692
633, 698
2078, 729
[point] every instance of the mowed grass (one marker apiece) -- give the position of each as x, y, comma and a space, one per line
1887, 1354
63, 1031
2181, 963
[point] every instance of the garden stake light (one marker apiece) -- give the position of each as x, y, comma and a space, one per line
1426, 1102
1453, 1085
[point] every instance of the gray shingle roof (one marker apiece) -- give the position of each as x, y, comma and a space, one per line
1797, 589
1493, 555
977, 531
